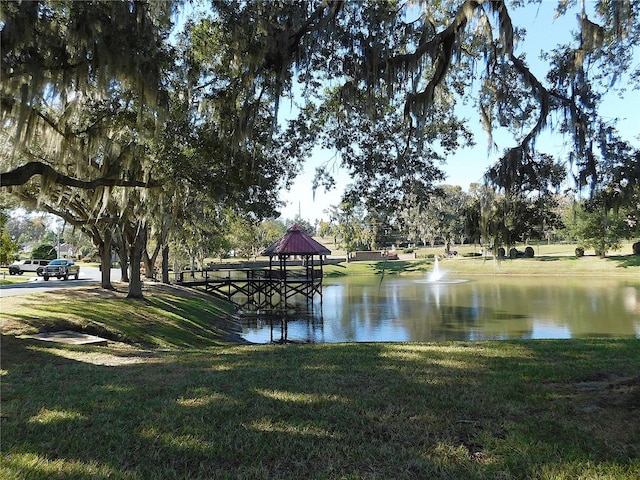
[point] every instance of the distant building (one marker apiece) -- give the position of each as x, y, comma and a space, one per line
66, 250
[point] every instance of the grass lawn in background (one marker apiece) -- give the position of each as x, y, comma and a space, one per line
549, 265
7, 279
540, 249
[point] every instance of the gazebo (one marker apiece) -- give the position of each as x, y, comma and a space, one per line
297, 270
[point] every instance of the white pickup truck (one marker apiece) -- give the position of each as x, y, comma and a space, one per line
31, 265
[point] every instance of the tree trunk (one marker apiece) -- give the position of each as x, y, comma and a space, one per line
103, 241
150, 261
124, 265
105, 260
148, 266
122, 251
374, 234
136, 248
165, 264
193, 266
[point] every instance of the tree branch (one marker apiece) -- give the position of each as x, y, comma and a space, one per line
76, 218
23, 174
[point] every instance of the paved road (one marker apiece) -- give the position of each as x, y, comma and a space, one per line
88, 276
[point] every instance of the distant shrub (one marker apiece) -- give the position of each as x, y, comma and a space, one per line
580, 252
408, 250
529, 253
44, 252
636, 248
472, 254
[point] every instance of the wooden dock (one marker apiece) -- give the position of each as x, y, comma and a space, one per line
257, 290
296, 272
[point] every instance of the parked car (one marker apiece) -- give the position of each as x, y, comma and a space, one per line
31, 265
61, 268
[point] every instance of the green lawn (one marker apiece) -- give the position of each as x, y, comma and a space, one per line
518, 410
613, 265
540, 248
7, 279
174, 396
168, 317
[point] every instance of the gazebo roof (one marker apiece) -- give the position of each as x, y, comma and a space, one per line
296, 242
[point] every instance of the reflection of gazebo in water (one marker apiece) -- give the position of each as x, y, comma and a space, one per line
297, 271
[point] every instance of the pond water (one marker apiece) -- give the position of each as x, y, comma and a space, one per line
403, 309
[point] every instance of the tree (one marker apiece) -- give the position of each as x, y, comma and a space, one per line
45, 251
382, 66
302, 223
122, 119
75, 58
452, 205
352, 230
325, 229
369, 50
271, 230
87, 88
27, 227
422, 223
611, 212
8, 247
582, 73
526, 206
598, 228
245, 237
443, 216
388, 159
82, 98
250, 239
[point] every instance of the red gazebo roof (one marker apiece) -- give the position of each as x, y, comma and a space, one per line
296, 242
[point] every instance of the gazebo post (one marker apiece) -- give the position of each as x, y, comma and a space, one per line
310, 278
283, 280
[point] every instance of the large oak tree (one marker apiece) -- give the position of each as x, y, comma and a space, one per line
90, 91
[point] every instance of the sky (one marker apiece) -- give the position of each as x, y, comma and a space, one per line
468, 165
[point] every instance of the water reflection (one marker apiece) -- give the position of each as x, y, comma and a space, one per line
308, 327
403, 309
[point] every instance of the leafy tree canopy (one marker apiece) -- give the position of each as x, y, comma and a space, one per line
98, 83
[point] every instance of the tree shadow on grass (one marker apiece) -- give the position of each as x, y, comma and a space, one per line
625, 261
188, 320
390, 267
332, 411
548, 258
394, 267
